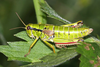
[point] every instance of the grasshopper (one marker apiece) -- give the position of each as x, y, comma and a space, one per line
64, 35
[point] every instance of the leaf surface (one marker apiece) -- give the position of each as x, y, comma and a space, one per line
90, 55
17, 50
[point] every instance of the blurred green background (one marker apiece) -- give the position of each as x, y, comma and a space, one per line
72, 10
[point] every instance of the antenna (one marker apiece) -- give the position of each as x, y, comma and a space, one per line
17, 28
20, 18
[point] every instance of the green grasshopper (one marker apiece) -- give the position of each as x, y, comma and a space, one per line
64, 35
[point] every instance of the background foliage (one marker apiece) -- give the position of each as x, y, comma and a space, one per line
72, 10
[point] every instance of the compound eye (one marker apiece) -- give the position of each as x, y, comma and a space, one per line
28, 27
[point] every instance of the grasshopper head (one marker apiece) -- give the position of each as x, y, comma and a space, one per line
28, 30
28, 27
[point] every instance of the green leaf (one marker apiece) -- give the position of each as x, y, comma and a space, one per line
41, 17
90, 55
93, 39
55, 59
17, 50
51, 13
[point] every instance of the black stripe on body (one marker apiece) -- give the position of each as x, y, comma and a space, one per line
34, 29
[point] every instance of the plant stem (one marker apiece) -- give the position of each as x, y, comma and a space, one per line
39, 14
